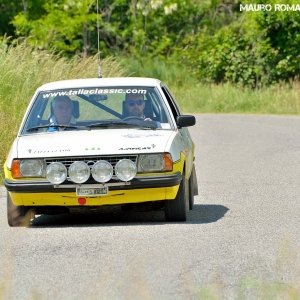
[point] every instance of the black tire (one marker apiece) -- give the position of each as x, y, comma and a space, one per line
191, 188
17, 216
176, 210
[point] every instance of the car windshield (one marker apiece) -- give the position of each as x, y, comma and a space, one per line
97, 108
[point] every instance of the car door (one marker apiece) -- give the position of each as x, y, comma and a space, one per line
184, 132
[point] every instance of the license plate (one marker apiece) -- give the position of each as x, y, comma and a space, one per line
83, 191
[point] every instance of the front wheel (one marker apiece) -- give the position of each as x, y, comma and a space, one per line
193, 188
176, 210
17, 216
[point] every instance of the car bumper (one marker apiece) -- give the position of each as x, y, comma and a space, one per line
142, 189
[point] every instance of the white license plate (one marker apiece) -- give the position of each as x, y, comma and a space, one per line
86, 191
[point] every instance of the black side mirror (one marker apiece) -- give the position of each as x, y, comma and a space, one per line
185, 121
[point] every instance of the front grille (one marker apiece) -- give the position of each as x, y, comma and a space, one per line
91, 160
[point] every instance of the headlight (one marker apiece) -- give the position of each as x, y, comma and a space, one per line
79, 172
125, 169
155, 162
28, 168
56, 173
151, 162
102, 171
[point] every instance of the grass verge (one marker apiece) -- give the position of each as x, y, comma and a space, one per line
23, 69
195, 97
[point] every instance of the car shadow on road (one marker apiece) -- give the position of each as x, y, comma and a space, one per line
201, 214
206, 213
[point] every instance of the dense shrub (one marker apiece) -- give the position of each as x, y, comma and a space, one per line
218, 42
256, 49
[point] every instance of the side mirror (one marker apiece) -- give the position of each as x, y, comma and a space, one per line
185, 121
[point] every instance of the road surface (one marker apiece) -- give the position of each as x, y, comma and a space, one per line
241, 240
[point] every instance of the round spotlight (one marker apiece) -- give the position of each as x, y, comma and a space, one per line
79, 172
56, 173
102, 171
125, 169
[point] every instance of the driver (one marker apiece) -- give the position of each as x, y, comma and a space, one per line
135, 105
62, 111
62, 107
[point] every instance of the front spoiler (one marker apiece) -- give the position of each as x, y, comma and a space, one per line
136, 183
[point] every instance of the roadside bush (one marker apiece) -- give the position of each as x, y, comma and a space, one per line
257, 49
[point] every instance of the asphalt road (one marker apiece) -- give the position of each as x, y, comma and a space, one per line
241, 240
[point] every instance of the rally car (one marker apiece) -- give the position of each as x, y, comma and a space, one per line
101, 155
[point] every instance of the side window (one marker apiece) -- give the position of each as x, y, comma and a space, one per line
174, 107
157, 110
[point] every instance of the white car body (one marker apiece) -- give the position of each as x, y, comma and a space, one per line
165, 143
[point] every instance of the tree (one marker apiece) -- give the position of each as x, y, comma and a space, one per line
57, 24
150, 27
256, 48
8, 10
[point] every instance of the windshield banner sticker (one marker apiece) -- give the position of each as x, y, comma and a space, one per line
95, 91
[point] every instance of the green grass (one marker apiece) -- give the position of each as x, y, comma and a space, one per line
23, 69
252, 288
223, 98
226, 98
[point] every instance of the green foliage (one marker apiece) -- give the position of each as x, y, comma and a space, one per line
60, 26
218, 42
281, 30
221, 98
24, 68
8, 9
258, 48
166, 70
150, 27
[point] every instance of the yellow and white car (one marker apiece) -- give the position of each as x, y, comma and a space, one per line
104, 156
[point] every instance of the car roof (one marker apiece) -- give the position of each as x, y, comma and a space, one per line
98, 82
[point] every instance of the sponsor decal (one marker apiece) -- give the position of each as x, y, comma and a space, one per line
48, 151
152, 146
96, 91
134, 135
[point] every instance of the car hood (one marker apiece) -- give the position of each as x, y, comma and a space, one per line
94, 142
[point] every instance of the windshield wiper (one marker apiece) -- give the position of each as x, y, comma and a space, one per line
112, 124
141, 124
54, 126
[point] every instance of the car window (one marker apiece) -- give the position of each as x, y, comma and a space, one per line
171, 100
98, 107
